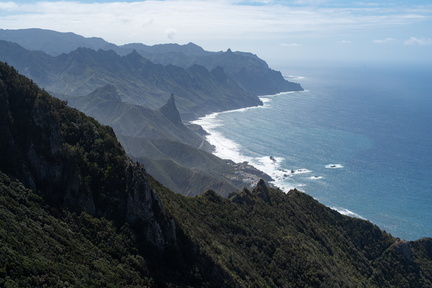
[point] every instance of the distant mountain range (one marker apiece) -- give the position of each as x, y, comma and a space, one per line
246, 69
136, 79
77, 212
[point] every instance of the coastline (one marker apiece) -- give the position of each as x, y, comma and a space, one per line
372, 163
270, 165
229, 150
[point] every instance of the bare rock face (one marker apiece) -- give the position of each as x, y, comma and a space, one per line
249, 198
144, 208
404, 249
170, 110
262, 191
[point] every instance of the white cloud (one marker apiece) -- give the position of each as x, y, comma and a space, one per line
344, 42
383, 41
218, 24
170, 33
418, 41
291, 44
310, 2
9, 6
224, 19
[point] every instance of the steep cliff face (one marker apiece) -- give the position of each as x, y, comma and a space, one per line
72, 160
170, 111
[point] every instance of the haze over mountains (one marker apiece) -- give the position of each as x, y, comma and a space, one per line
121, 88
246, 69
136, 79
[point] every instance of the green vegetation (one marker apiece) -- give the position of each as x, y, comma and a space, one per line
49, 146
266, 238
68, 250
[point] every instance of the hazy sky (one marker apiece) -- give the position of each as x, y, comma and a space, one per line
274, 30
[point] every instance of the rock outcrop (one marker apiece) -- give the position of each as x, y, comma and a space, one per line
170, 111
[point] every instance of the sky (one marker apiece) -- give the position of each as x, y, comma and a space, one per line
296, 30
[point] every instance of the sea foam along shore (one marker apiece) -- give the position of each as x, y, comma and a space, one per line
228, 149
271, 165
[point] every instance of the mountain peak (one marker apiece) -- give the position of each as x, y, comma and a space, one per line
170, 111
107, 92
262, 191
134, 53
219, 74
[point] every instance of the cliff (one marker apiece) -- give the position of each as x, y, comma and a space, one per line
71, 159
170, 111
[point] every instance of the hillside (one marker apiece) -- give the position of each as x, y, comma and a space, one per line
246, 69
105, 105
174, 154
266, 238
77, 212
52, 42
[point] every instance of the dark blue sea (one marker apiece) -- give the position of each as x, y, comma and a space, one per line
358, 139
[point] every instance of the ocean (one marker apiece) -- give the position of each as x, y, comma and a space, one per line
358, 139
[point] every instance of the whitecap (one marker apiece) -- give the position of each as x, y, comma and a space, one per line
301, 171
287, 186
347, 212
334, 166
266, 102
290, 77
270, 165
315, 177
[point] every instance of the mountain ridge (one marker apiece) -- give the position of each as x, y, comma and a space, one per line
247, 69
138, 80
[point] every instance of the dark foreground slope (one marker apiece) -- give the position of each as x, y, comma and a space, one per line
266, 238
75, 211
83, 189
